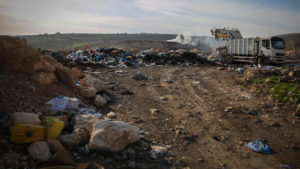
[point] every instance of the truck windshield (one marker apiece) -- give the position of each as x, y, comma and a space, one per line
278, 43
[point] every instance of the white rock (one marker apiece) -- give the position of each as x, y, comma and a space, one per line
100, 101
159, 149
111, 115
40, 151
113, 135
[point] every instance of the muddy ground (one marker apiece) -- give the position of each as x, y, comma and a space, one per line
192, 122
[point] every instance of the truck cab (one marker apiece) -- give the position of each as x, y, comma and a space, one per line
272, 50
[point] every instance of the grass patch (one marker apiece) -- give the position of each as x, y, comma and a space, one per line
286, 92
283, 92
266, 80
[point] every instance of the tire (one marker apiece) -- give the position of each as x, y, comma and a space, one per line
228, 59
260, 60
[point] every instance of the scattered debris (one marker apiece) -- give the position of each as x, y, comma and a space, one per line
259, 146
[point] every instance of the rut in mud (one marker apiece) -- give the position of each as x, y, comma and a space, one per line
192, 120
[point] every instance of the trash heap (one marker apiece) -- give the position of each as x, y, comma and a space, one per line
114, 57
65, 123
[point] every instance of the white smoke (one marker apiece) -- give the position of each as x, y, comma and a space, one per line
198, 41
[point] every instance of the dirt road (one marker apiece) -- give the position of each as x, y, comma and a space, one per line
192, 121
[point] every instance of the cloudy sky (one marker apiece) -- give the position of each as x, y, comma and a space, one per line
190, 17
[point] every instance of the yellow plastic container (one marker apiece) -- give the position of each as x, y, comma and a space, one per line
53, 127
26, 133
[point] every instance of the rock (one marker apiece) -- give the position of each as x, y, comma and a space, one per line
113, 135
111, 115
96, 83
84, 134
252, 112
70, 140
40, 151
168, 81
291, 74
159, 149
230, 109
163, 98
88, 93
85, 121
44, 78
100, 101
139, 77
126, 92
55, 146
64, 75
76, 73
274, 124
154, 112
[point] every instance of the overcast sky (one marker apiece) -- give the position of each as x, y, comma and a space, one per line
189, 17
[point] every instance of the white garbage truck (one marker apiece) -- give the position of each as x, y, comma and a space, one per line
257, 50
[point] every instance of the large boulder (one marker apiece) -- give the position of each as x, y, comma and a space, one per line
40, 151
113, 135
44, 78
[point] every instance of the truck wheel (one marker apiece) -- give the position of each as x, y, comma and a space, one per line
228, 59
260, 60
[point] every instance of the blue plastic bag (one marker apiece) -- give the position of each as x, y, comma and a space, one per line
259, 147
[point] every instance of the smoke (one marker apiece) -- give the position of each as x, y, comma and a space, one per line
198, 41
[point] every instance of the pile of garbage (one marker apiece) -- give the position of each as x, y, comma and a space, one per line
52, 135
114, 57
65, 123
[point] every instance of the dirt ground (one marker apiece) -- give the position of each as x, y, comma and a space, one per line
192, 122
